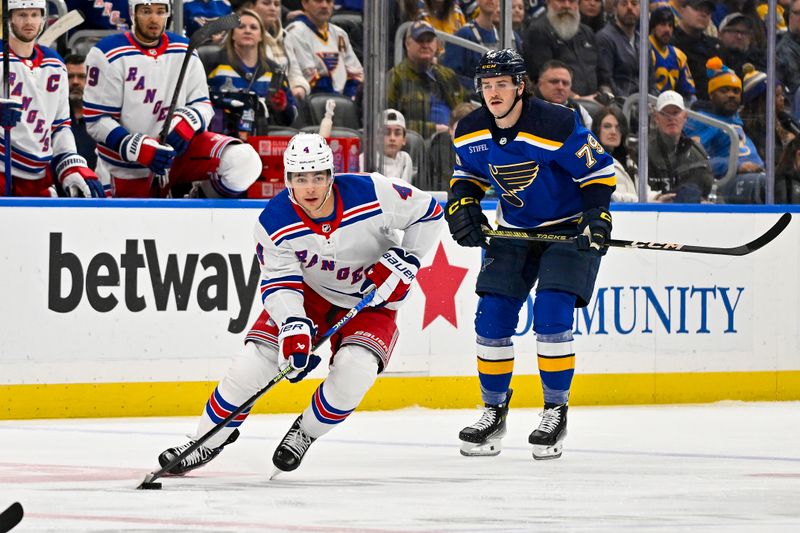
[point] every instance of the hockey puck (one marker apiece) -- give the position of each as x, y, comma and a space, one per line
153, 485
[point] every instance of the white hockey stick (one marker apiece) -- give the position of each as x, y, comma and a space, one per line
61, 26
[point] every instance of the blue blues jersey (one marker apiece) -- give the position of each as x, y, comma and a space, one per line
547, 168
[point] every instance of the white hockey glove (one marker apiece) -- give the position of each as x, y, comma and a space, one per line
391, 277
77, 179
294, 347
185, 124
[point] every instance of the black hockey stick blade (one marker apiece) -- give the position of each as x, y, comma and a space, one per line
11, 517
744, 249
204, 33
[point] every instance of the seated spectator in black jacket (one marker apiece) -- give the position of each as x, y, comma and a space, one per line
690, 37
559, 34
736, 38
678, 167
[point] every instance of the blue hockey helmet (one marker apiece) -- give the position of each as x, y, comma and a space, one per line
505, 62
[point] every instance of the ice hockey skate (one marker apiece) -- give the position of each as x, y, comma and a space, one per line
290, 452
201, 456
548, 438
483, 438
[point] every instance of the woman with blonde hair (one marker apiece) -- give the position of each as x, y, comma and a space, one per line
248, 89
270, 13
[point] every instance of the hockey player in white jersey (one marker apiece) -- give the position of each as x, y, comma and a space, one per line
322, 244
323, 50
42, 144
130, 81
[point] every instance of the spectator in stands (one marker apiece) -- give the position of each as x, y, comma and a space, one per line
424, 91
242, 73
736, 38
725, 93
787, 175
592, 14
441, 156
678, 168
618, 44
555, 85
518, 18
671, 71
560, 35
270, 13
396, 162
481, 31
754, 113
76, 71
611, 129
690, 38
787, 55
444, 15
198, 13
323, 51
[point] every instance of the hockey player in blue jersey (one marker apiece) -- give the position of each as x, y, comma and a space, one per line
322, 244
552, 174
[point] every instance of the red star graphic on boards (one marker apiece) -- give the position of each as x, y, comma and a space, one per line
439, 283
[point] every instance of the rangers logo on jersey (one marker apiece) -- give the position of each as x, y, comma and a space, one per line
514, 179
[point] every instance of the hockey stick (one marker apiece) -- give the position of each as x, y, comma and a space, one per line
226, 23
11, 517
149, 479
6, 131
61, 26
744, 249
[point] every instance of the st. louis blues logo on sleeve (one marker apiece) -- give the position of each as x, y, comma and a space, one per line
513, 179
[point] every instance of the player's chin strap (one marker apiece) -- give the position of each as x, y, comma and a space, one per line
510, 109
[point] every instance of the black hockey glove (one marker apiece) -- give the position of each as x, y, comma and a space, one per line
465, 218
594, 229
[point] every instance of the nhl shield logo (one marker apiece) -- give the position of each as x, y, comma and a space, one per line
326, 228
503, 141
513, 179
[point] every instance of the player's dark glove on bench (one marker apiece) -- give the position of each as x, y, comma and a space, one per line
465, 218
594, 229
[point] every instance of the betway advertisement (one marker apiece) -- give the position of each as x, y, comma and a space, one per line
141, 294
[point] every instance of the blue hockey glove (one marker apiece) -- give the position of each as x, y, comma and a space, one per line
294, 346
147, 151
466, 220
10, 112
594, 229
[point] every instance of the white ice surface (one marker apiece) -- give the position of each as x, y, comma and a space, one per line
719, 467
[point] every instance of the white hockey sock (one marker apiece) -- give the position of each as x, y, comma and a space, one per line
249, 372
352, 373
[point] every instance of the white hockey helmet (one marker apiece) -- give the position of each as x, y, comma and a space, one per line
307, 152
133, 3
30, 4
27, 4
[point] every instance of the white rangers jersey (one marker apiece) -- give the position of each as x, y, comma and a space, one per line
129, 89
43, 134
332, 256
324, 58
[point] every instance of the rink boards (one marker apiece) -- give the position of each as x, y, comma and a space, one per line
137, 309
